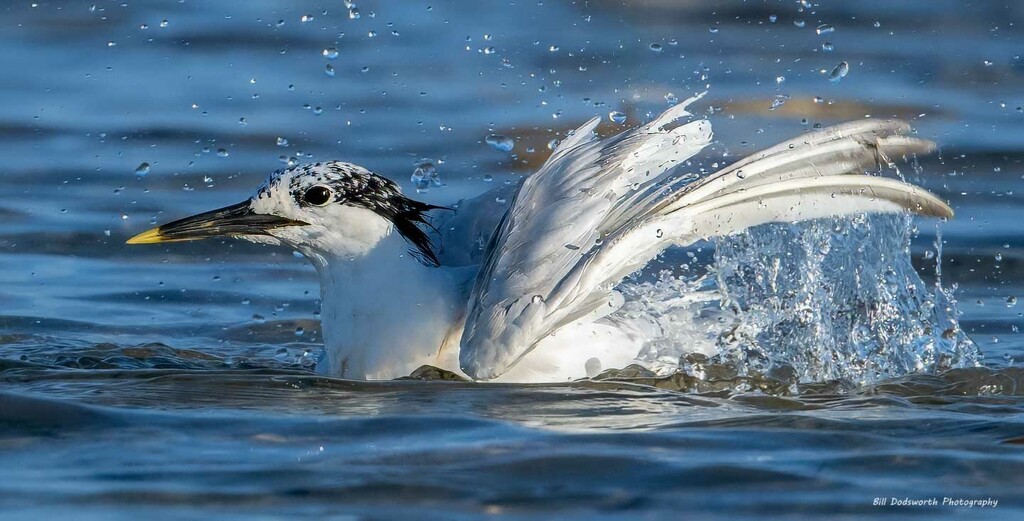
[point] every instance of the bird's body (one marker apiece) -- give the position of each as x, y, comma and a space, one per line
522, 291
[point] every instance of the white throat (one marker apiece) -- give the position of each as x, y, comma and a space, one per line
384, 314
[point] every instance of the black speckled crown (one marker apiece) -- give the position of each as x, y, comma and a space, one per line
356, 186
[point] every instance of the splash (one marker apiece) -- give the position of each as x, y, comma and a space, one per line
835, 299
823, 300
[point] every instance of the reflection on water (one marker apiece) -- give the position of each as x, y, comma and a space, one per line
174, 382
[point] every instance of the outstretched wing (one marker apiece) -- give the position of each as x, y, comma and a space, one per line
529, 284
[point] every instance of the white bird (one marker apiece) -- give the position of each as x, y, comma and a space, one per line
518, 292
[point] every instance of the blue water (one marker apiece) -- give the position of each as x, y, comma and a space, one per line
173, 382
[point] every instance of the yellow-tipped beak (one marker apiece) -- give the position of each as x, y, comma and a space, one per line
151, 236
230, 221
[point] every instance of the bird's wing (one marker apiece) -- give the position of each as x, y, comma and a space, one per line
529, 282
618, 204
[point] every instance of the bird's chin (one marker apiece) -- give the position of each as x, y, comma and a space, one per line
262, 239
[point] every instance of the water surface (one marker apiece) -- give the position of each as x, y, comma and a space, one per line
174, 382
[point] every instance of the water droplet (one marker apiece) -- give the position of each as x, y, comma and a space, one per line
259, 319
111, 44
780, 100
330, 53
500, 142
553, 48
773, 18
799, 23
1011, 301
553, 144
353, 13
306, 18
825, 29
617, 117
142, 169
222, 152
329, 70
671, 99
659, 233
827, 46
780, 79
282, 142
656, 47
488, 178
424, 176
299, 331
164, 23
537, 299
839, 72
371, 34
713, 30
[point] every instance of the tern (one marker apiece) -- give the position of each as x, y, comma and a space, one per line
521, 291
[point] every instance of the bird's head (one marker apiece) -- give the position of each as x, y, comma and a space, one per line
321, 209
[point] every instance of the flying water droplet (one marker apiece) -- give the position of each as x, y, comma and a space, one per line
537, 299
780, 100
424, 176
656, 47
773, 18
142, 169
222, 152
839, 72
329, 70
827, 46
306, 18
500, 143
617, 117
330, 53
353, 13
825, 29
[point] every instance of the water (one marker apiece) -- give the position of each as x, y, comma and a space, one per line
171, 382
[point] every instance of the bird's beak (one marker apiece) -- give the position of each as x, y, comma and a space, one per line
238, 219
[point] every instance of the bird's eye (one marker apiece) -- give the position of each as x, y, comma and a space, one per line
318, 195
